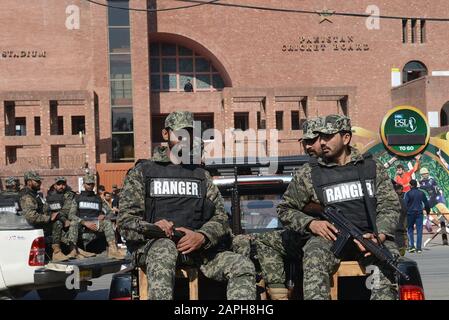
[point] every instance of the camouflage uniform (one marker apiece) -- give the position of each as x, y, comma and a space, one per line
273, 247
309, 127
69, 195
319, 263
35, 217
159, 256
104, 226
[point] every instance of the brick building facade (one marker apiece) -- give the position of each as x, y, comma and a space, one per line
87, 87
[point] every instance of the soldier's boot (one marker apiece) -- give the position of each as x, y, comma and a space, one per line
278, 293
86, 254
113, 251
58, 255
72, 254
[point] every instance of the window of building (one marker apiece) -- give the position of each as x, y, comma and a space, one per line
78, 125
404, 31
261, 123
21, 124
122, 120
37, 126
60, 130
122, 147
423, 30
11, 154
177, 68
414, 31
413, 70
157, 124
444, 115
241, 120
54, 156
121, 81
280, 120
10, 118
295, 120
206, 119
342, 106
118, 17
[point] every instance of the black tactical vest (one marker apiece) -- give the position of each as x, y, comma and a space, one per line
9, 202
55, 201
176, 193
89, 205
340, 187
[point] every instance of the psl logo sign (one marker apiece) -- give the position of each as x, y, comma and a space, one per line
408, 125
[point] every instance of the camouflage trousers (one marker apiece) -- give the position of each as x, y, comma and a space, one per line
55, 230
105, 226
272, 248
160, 262
319, 264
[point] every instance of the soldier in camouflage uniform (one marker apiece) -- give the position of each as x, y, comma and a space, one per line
318, 182
275, 247
59, 199
36, 212
11, 194
201, 216
88, 215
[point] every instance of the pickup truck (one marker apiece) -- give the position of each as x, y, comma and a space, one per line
258, 196
24, 265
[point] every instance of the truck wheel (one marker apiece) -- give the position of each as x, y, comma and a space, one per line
57, 293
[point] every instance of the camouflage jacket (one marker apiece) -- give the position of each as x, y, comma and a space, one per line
132, 206
29, 205
73, 210
300, 192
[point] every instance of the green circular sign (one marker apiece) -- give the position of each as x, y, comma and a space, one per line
405, 131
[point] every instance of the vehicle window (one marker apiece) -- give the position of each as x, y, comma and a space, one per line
257, 211
12, 221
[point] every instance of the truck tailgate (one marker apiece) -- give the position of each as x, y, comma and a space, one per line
15, 248
88, 268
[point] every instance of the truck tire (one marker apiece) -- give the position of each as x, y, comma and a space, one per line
57, 293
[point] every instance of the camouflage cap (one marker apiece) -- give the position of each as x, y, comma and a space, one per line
60, 179
310, 126
32, 175
334, 123
179, 120
89, 178
11, 181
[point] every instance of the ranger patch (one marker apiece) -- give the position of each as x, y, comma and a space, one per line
163, 187
347, 191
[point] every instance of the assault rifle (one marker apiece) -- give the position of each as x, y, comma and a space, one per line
347, 230
152, 231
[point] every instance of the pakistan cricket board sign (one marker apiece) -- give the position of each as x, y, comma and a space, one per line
405, 131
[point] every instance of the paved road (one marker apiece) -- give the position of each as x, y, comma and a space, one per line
433, 264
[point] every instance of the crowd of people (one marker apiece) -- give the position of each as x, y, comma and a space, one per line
417, 198
65, 216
